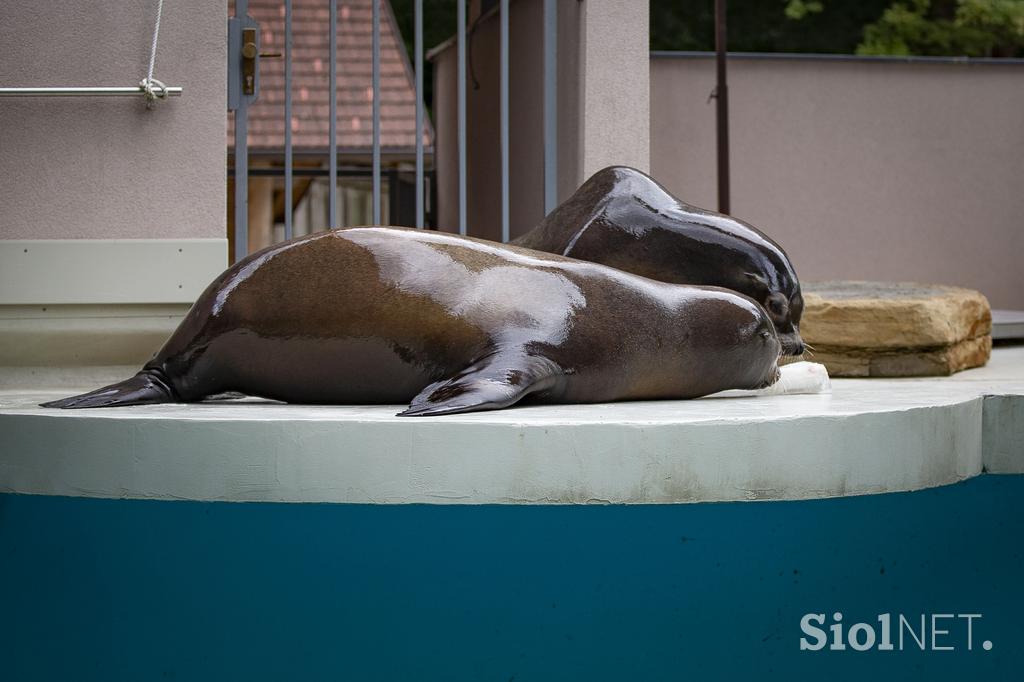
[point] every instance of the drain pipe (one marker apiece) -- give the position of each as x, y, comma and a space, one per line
721, 108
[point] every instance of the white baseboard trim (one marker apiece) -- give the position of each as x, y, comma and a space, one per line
63, 336
104, 271
70, 379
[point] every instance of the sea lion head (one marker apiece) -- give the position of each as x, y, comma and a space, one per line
761, 347
623, 218
777, 289
736, 340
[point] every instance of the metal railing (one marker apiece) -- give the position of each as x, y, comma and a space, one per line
150, 88
394, 177
86, 91
550, 109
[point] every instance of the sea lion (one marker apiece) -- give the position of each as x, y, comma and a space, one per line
385, 315
623, 218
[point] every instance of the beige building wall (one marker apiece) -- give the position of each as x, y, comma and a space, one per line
97, 167
860, 169
112, 216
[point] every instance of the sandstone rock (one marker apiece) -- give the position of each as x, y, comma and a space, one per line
907, 362
891, 315
873, 329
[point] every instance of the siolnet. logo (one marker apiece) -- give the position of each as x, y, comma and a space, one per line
923, 632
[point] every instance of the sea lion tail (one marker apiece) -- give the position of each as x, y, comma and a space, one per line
145, 388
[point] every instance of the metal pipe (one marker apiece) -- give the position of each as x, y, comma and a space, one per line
418, 49
550, 105
721, 107
503, 68
100, 91
287, 119
461, 114
332, 218
376, 112
241, 161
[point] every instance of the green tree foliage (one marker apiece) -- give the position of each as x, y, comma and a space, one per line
974, 28
798, 9
977, 28
829, 26
438, 21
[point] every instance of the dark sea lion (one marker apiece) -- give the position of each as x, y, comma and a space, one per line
389, 315
622, 218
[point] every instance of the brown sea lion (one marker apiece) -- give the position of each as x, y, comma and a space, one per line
389, 315
622, 218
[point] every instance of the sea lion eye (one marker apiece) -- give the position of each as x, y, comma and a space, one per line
758, 282
776, 305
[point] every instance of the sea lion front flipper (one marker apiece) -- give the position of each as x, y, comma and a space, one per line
491, 383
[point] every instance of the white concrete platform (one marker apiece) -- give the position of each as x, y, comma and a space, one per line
868, 436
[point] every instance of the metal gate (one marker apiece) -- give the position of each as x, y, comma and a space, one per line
244, 55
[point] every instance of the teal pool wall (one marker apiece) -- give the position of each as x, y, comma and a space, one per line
96, 589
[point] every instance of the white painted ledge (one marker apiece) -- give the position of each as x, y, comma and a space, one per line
868, 436
105, 271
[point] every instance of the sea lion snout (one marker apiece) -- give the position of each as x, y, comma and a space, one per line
774, 376
771, 373
773, 350
792, 344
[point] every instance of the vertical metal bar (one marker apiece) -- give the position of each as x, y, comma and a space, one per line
333, 151
242, 162
503, 77
550, 105
376, 112
287, 119
418, 49
722, 108
461, 114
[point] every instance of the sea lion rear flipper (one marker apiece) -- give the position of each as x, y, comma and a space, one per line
145, 388
492, 383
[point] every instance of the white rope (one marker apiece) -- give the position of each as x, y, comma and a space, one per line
153, 88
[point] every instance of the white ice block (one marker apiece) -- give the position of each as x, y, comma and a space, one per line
795, 378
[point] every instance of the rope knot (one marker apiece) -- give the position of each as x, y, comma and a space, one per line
154, 90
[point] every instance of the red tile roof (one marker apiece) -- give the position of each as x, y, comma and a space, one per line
311, 77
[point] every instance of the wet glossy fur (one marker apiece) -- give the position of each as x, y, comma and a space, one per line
624, 219
388, 315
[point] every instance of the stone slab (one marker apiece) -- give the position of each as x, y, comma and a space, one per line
904, 362
892, 315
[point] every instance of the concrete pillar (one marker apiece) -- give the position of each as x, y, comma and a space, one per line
614, 85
